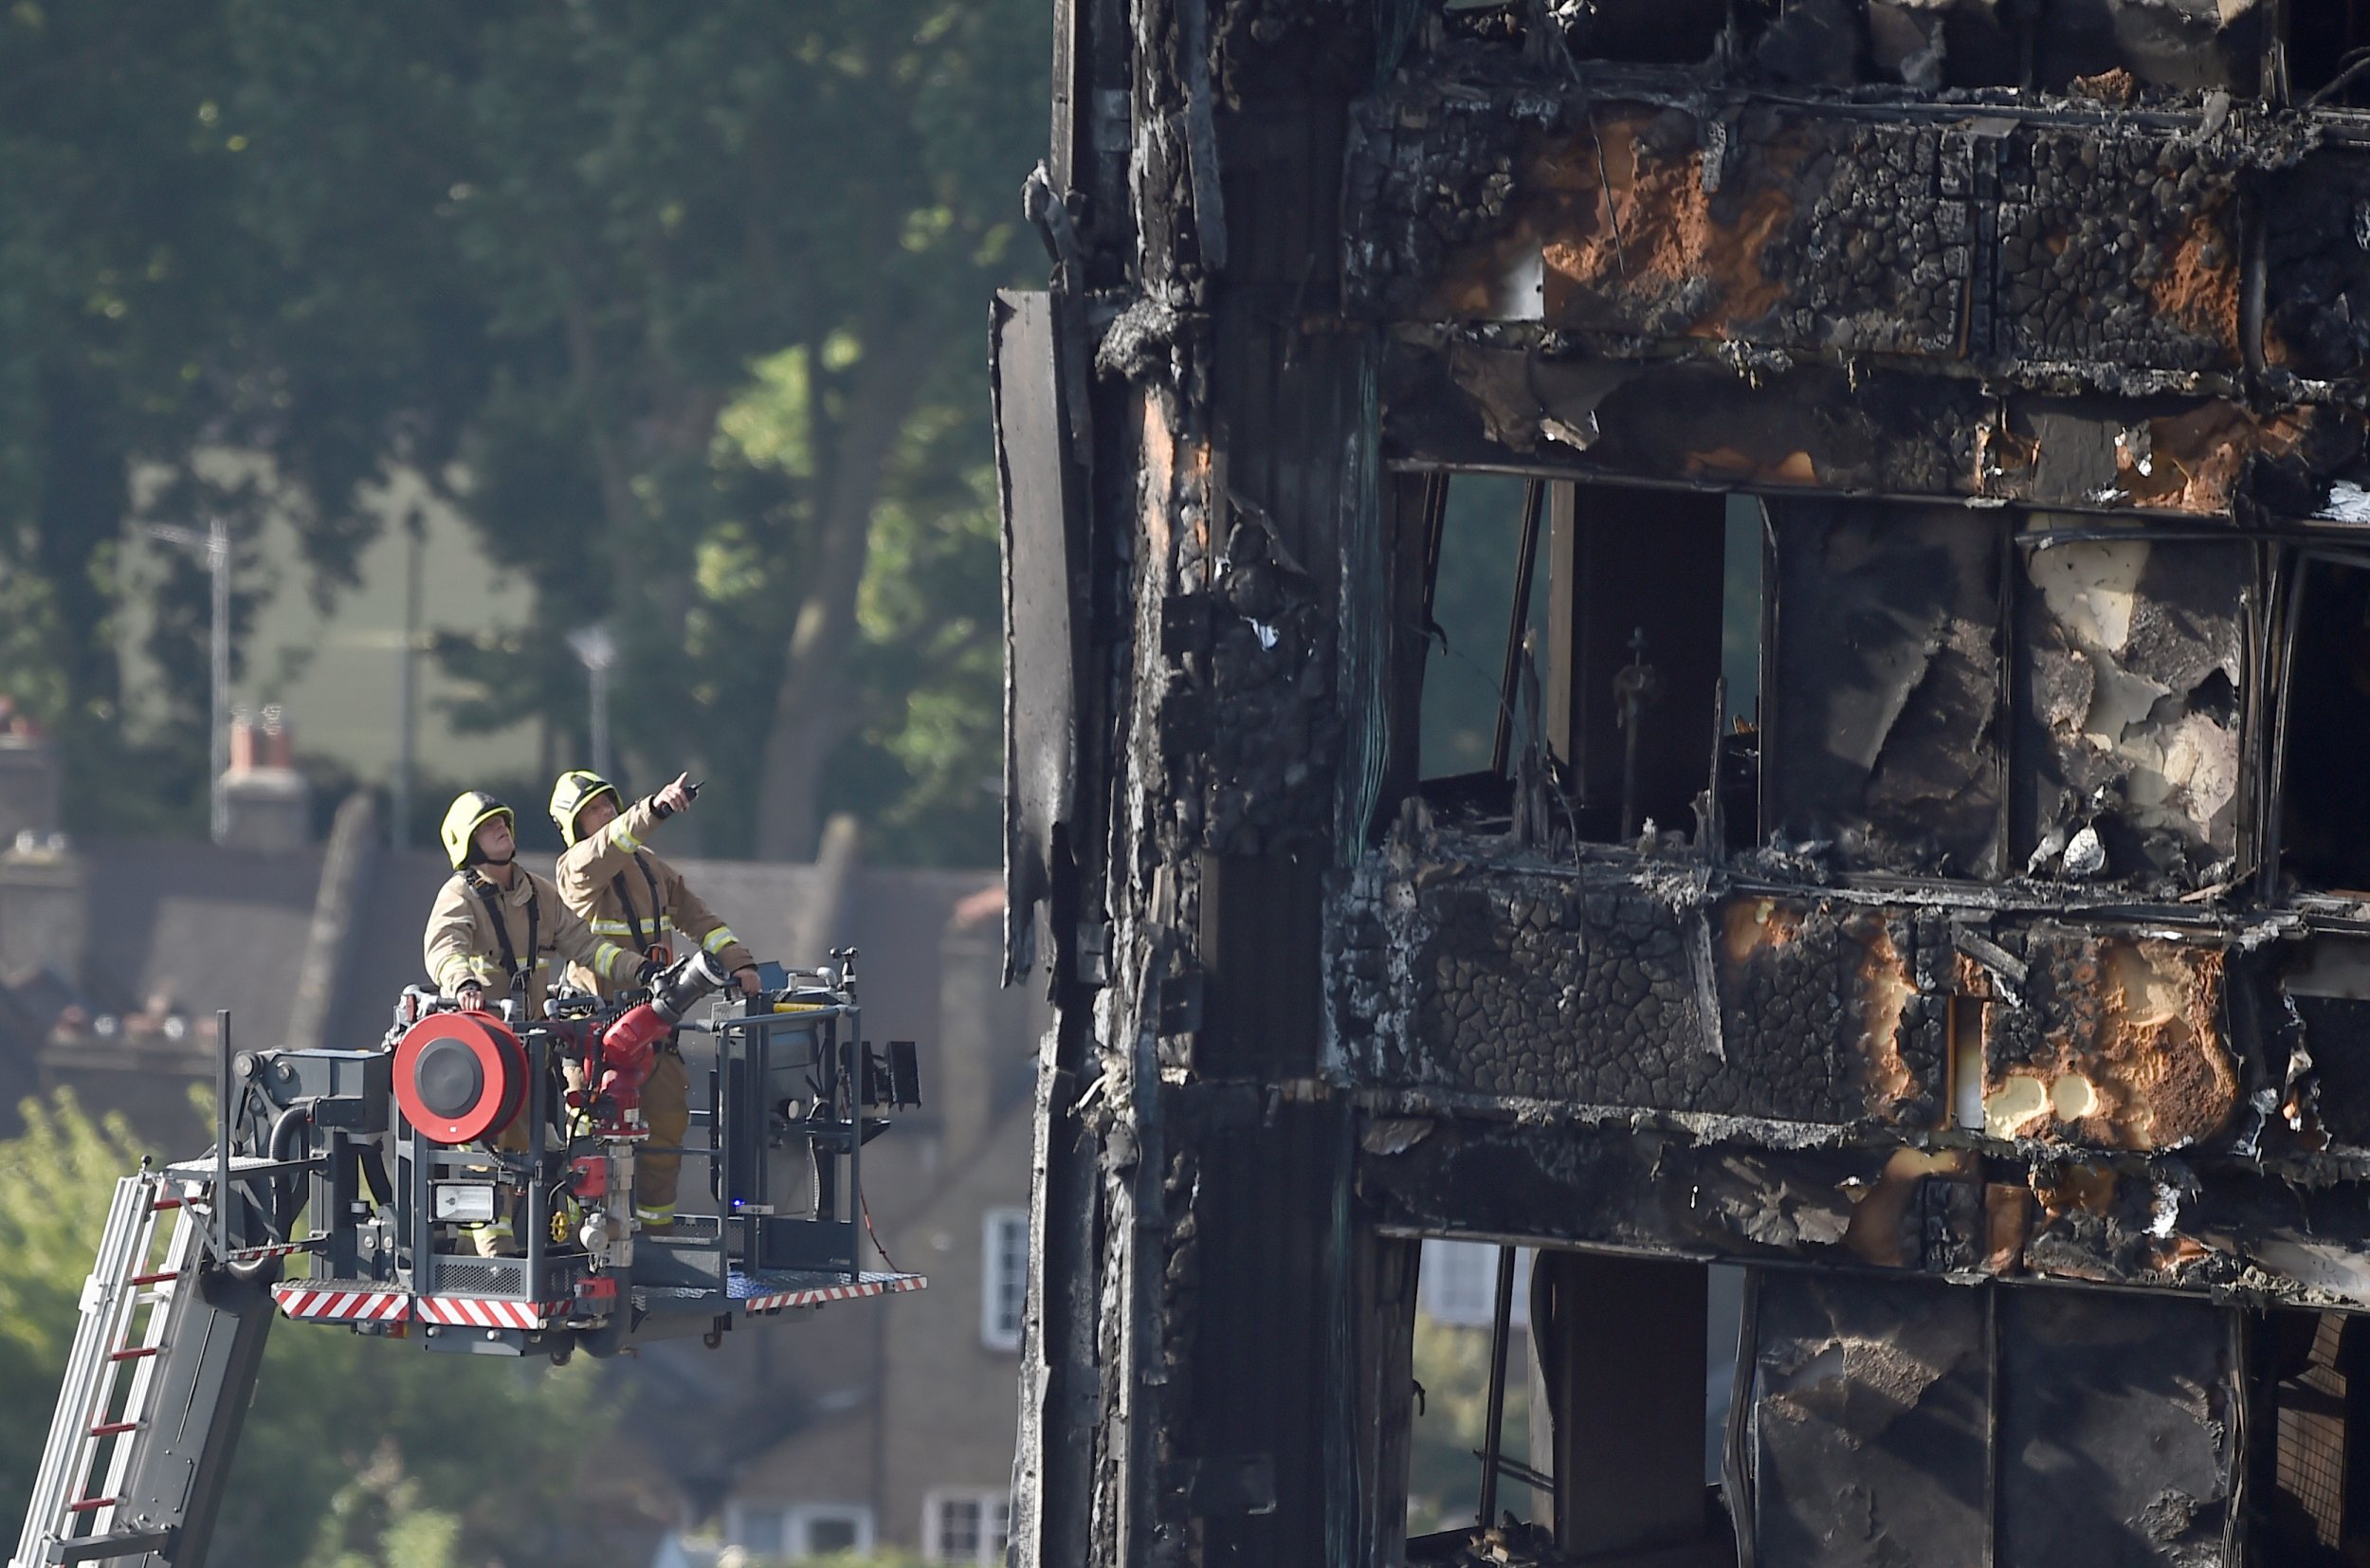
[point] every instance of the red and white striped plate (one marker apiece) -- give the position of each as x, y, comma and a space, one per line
328, 1304
773, 1291
486, 1311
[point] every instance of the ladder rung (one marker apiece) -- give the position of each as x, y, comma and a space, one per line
113, 1546
134, 1354
157, 1279
166, 1203
112, 1427
92, 1505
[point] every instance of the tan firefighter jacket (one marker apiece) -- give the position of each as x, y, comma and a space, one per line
464, 943
629, 896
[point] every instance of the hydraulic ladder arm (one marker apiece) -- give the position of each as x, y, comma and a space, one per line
156, 1390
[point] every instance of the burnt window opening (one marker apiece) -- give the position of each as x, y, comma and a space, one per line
1637, 706
1886, 749
1609, 633
1485, 534
2182, 46
1453, 1359
2097, 47
2312, 1395
1595, 1454
2131, 645
2324, 835
2328, 39
1643, 32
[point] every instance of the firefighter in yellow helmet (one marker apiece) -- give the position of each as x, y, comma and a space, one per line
495, 923
626, 894
493, 929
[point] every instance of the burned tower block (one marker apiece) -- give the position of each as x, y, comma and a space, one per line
1728, 639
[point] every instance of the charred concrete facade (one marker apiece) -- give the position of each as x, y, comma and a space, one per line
1984, 966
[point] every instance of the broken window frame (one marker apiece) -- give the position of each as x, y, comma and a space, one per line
2012, 760
1552, 524
1433, 522
2247, 833
1776, 714
2290, 599
1422, 493
1449, 23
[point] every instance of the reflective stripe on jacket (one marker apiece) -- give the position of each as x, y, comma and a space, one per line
588, 877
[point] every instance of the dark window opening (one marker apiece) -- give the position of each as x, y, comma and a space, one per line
2324, 835
1597, 1456
1609, 634
1635, 710
2185, 47
2323, 37
1478, 524
2312, 1391
1887, 736
1642, 32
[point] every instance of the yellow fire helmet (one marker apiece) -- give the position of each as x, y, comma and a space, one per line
463, 817
573, 793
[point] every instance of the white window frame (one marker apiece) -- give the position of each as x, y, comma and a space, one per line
805, 1516
1002, 1275
996, 1524
794, 1521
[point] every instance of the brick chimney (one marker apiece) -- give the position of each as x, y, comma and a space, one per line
267, 805
41, 879
29, 777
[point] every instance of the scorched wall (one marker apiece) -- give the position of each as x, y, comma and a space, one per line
1960, 920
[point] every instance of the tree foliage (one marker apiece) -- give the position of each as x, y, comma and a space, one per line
682, 306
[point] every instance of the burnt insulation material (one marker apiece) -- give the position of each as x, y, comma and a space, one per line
1888, 682
2121, 1042
1539, 988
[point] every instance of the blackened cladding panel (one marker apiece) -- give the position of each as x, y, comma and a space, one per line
2117, 1428
2131, 667
1868, 1445
1594, 991
1032, 462
1887, 741
1795, 226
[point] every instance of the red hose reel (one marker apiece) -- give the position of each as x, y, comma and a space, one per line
459, 1076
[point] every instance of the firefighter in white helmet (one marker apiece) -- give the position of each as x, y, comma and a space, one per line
493, 929
628, 894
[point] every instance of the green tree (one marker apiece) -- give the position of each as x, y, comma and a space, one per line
1451, 1364
682, 306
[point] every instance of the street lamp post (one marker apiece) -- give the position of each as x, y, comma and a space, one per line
215, 545
597, 650
406, 700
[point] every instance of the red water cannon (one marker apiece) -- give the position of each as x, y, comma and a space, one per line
626, 1048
